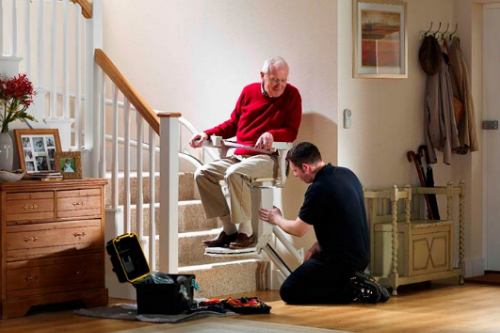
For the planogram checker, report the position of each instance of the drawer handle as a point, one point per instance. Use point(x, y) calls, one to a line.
point(78, 203)
point(30, 239)
point(31, 278)
point(28, 207)
point(79, 234)
point(80, 272)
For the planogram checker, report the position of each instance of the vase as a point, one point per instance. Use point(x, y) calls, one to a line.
point(6, 152)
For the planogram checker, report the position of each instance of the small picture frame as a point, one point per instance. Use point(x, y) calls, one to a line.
point(380, 44)
point(69, 164)
point(36, 149)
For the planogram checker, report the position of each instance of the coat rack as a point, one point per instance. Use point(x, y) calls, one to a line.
point(445, 35)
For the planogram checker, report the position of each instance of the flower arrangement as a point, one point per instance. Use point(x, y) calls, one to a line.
point(16, 95)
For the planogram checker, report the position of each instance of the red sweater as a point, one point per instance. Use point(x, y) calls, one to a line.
point(256, 114)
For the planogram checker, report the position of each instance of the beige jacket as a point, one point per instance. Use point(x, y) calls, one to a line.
point(459, 75)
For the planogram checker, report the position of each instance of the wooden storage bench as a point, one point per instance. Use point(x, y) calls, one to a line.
point(408, 248)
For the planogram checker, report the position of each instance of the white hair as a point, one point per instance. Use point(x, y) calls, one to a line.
point(273, 62)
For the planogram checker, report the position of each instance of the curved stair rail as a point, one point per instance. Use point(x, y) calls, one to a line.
point(168, 129)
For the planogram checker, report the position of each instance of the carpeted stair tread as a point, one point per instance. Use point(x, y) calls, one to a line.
point(229, 278)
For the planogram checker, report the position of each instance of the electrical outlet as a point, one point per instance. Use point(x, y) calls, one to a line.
point(490, 125)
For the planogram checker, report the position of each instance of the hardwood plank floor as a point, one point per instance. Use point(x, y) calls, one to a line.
point(437, 307)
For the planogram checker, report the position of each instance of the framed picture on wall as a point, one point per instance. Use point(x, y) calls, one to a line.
point(36, 149)
point(380, 48)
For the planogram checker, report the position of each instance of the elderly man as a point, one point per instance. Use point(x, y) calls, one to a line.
point(332, 271)
point(265, 112)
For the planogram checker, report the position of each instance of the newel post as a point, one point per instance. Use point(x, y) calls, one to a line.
point(169, 192)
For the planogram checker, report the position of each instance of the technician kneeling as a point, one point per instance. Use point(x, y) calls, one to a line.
point(332, 271)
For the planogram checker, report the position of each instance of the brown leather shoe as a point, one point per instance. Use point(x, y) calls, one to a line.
point(223, 240)
point(242, 241)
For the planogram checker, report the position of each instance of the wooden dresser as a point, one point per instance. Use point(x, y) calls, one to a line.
point(52, 244)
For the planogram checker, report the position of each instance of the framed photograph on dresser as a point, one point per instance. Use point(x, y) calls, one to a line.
point(69, 164)
point(36, 149)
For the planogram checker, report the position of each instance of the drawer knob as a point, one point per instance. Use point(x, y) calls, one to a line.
point(80, 272)
point(31, 278)
point(78, 203)
point(30, 207)
point(30, 239)
point(79, 234)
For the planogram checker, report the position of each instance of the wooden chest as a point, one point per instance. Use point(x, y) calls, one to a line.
point(52, 244)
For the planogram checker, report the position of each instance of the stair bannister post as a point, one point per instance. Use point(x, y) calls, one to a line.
point(169, 192)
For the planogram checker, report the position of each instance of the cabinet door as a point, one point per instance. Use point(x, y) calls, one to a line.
point(430, 253)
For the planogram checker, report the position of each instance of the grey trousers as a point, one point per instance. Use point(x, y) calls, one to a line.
point(237, 171)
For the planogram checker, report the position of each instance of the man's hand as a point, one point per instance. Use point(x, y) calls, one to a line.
point(313, 252)
point(200, 137)
point(269, 215)
point(265, 141)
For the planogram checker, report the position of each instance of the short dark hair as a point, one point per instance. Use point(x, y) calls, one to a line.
point(304, 152)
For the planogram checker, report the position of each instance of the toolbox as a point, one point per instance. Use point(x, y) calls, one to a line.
point(157, 293)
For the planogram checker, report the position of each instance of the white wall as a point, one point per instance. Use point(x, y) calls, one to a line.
point(195, 56)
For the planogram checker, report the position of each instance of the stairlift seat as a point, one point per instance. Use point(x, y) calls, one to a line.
point(264, 187)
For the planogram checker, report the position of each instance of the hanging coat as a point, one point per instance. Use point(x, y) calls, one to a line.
point(459, 75)
point(439, 119)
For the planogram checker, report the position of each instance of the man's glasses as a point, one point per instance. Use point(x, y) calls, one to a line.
point(276, 81)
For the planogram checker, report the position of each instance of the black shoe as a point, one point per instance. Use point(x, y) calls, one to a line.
point(223, 240)
point(367, 290)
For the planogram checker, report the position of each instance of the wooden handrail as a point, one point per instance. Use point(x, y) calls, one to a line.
point(86, 7)
point(128, 90)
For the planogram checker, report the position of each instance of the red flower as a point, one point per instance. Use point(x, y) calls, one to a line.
point(16, 95)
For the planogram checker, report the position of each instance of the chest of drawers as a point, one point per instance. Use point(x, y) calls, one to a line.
point(52, 244)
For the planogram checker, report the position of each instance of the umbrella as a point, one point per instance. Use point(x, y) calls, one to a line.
point(424, 152)
point(412, 157)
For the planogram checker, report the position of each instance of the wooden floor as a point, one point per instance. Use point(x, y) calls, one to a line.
point(436, 307)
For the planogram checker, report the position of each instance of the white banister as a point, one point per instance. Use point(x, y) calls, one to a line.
point(66, 72)
point(14, 28)
point(126, 120)
point(101, 126)
point(78, 77)
point(169, 188)
point(53, 57)
point(140, 197)
point(40, 46)
point(27, 37)
point(152, 195)
point(114, 163)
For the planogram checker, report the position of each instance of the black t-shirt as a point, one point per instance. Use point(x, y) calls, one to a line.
point(334, 205)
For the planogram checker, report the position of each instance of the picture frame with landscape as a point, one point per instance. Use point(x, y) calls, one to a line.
point(36, 149)
point(69, 164)
point(380, 47)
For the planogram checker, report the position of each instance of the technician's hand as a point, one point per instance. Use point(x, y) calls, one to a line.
point(200, 137)
point(313, 252)
point(269, 215)
point(265, 141)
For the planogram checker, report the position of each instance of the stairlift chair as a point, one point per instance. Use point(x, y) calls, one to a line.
point(262, 197)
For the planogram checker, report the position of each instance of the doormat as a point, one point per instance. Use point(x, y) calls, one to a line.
point(488, 278)
point(221, 325)
point(129, 312)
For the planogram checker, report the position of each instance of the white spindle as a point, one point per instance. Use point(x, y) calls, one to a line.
point(140, 197)
point(66, 113)
point(41, 46)
point(27, 37)
point(14, 28)
point(53, 58)
point(78, 76)
point(102, 127)
point(126, 123)
point(114, 165)
point(152, 194)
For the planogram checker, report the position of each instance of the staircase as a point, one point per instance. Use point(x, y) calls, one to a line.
point(216, 276)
